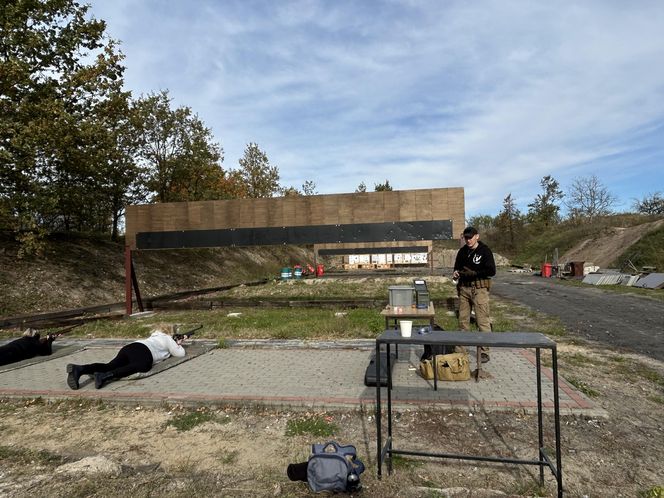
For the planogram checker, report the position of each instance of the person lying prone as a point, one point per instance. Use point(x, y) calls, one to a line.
point(135, 357)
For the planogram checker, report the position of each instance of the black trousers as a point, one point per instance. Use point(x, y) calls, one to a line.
point(132, 358)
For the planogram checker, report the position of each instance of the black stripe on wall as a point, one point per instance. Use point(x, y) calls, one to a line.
point(314, 234)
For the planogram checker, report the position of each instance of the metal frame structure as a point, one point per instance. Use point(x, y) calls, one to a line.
point(528, 340)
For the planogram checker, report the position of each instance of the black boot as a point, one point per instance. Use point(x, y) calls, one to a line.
point(101, 378)
point(73, 374)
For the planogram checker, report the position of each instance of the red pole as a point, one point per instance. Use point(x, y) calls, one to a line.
point(128, 296)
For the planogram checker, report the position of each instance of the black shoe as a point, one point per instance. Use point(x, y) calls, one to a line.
point(73, 374)
point(101, 378)
point(485, 357)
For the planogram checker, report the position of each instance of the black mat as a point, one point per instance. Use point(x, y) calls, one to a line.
point(192, 350)
point(58, 352)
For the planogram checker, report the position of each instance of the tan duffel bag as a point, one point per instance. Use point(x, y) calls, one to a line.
point(453, 366)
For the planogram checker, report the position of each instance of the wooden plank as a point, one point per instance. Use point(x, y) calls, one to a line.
point(302, 211)
point(391, 206)
point(260, 210)
point(289, 211)
point(331, 207)
point(423, 207)
point(317, 208)
point(275, 214)
point(407, 205)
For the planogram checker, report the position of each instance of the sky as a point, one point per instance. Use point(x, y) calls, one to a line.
point(486, 95)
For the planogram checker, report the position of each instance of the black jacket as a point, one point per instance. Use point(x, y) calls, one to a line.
point(24, 348)
point(479, 260)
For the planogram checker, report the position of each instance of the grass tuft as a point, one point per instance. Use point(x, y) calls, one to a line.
point(315, 425)
point(583, 387)
point(654, 492)
point(189, 420)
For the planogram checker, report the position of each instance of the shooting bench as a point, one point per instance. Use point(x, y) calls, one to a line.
point(527, 340)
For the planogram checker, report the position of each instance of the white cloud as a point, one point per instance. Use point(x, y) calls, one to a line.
point(486, 95)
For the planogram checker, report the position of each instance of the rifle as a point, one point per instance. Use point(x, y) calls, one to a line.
point(52, 335)
point(177, 337)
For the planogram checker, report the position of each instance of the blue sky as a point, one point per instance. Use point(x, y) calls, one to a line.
point(486, 95)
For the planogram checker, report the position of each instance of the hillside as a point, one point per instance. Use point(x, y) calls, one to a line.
point(77, 271)
point(608, 242)
point(606, 249)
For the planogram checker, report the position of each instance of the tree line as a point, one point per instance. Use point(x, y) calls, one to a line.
point(586, 200)
point(76, 148)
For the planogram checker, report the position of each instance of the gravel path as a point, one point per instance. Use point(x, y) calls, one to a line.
point(625, 321)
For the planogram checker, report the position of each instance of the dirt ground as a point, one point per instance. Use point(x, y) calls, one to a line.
point(603, 250)
point(244, 451)
point(77, 449)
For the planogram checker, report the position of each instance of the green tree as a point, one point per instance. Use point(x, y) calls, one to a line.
point(383, 187)
point(47, 63)
point(260, 179)
point(587, 198)
point(544, 210)
point(361, 188)
point(308, 188)
point(180, 161)
point(509, 225)
point(118, 177)
point(483, 222)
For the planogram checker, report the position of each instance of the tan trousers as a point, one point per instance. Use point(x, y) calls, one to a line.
point(477, 299)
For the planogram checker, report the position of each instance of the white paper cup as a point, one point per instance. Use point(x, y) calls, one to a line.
point(406, 327)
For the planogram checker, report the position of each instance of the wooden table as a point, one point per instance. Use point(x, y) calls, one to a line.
point(528, 340)
point(397, 313)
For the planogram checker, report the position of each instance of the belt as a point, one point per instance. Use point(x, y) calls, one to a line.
point(479, 283)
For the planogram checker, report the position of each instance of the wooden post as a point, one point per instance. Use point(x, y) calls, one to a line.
point(128, 281)
point(131, 282)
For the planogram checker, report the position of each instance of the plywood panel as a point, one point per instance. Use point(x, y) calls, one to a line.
point(423, 204)
point(391, 206)
point(373, 210)
point(206, 215)
point(331, 206)
point(407, 205)
point(289, 212)
point(195, 215)
point(440, 204)
point(261, 208)
point(275, 214)
point(345, 206)
point(302, 212)
point(317, 209)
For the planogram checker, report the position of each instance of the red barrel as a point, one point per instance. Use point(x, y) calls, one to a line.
point(319, 270)
point(546, 269)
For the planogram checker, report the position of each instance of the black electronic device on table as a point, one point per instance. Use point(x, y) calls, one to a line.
point(421, 294)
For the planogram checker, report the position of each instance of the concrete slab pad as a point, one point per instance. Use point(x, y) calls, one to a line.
point(325, 377)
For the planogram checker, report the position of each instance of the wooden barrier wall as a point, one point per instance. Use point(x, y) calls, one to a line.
point(317, 210)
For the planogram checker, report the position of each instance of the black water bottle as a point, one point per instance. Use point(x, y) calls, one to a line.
point(353, 482)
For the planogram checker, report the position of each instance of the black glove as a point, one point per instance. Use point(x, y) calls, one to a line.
point(468, 273)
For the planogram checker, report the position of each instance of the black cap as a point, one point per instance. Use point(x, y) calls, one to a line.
point(470, 231)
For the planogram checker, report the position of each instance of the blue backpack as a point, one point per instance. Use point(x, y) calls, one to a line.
point(334, 468)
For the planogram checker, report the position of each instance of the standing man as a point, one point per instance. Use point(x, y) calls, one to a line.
point(474, 266)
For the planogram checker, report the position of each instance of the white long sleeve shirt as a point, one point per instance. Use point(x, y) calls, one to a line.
point(162, 346)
